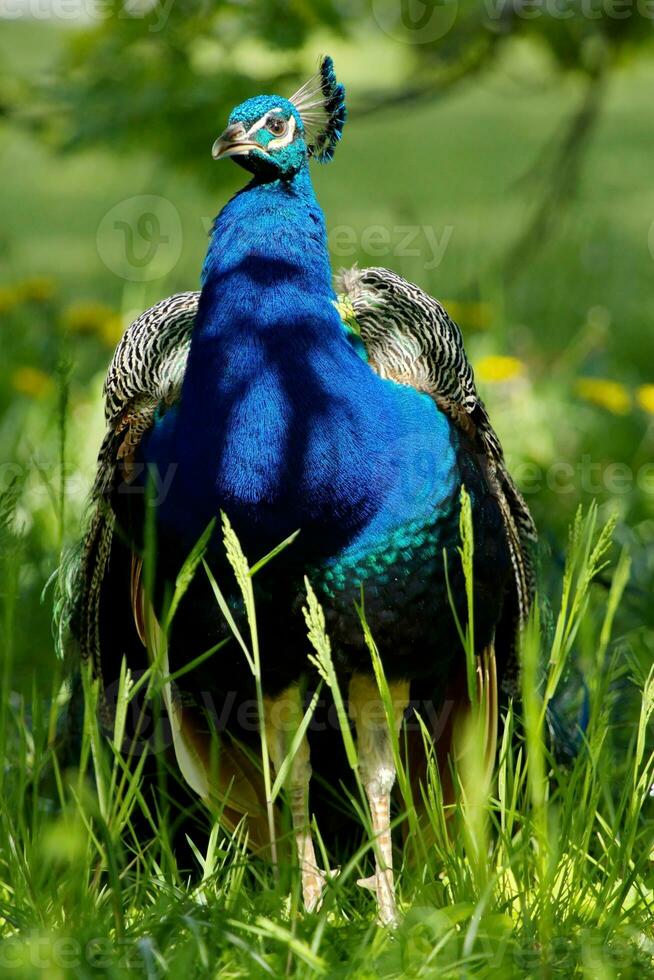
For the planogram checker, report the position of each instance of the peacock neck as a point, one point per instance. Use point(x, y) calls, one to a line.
point(280, 423)
point(268, 375)
point(267, 294)
point(266, 315)
point(269, 234)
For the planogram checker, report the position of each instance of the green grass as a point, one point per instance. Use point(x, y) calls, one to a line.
point(541, 869)
point(548, 870)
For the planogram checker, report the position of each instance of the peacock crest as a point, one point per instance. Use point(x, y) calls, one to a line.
point(320, 103)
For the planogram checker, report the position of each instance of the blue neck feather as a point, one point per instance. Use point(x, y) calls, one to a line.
point(280, 422)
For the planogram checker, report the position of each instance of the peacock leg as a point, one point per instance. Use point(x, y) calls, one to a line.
point(283, 715)
point(377, 771)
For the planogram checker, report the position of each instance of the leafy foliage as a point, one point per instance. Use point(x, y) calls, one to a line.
point(163, 75)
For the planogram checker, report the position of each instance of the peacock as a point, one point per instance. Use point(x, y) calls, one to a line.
point(343, 410)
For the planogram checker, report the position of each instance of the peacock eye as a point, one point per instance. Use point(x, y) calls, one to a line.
point(276, 125)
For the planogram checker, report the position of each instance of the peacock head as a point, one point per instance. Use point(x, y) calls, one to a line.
point(273, 137)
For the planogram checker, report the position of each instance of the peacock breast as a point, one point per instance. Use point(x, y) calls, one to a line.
point(403, 573)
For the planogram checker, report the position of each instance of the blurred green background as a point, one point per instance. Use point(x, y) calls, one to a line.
point(500, 155)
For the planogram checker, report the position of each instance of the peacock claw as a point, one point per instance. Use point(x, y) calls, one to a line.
point(381, 884)
point(313, 884)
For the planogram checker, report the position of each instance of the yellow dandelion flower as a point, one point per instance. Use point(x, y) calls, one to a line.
point(112, 330)
point(87, 317)
point(499, 368)
point(39, 289)
point(645, 397)
point(10, 297)
point(31, 381)
point(611, 395)
point(474, 316)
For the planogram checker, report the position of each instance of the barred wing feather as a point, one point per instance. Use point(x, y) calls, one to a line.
point(410, 338)
point(146, 371)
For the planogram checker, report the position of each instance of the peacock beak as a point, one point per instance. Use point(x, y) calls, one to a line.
point(233, 142)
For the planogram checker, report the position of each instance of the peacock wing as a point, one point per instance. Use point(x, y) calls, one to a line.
point(146, 372)
point(410, 338)
point(102, 600)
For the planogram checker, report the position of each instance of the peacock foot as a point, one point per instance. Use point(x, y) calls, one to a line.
point(381, 883)
point(314, 880)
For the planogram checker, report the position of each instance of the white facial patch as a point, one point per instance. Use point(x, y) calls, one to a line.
point(280, 141)
point(287, 138)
